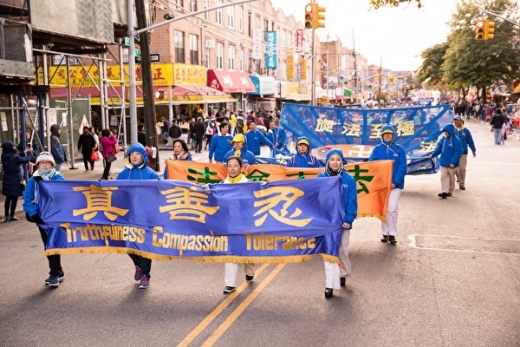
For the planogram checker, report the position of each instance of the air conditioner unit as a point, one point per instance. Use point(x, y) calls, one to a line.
point(210, 43)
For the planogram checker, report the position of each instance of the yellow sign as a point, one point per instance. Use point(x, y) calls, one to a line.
point(290, 63)
point(191, 75)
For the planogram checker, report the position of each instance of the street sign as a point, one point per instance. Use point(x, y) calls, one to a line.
point(155, 58)
point(137, 52)
point(127, 41)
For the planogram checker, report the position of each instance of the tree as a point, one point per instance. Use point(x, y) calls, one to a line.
point(430, 69)
point(381, 3)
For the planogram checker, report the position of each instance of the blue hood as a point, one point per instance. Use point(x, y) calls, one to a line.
point(450, 128)
point(388, 127)
point(329, 154)
point(136, 147)
point(308, 144)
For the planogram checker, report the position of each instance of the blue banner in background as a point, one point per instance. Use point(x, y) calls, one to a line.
point(284, 221)
point(271, 60)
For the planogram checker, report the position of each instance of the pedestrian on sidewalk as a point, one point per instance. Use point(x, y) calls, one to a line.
point(46, 171)
point(86, 145)
point(57, 150)
point(467, 141)
point(13, 182)
point(497, 121)
point(198, 134)
point(136, 168)
point(107, 142)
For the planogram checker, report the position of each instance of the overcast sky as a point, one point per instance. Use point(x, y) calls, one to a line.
point(397, 36)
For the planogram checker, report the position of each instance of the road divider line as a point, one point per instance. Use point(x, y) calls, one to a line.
point(241, 308)
point(218, 310)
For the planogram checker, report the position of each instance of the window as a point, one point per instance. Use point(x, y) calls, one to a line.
point(218, 12)
point(220, 56)
point(192, 5)
point(231, 57)
point(179, 46)
point(231, 17)
point(240, 17)
point(194, 49)
point(241, 61)
point(179, 4)
point(266, 25)
point(250, 24)
point(206, 6)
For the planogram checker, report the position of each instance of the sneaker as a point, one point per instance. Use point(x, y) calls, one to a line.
point(249, 279)
point(392, 240)
point(137, 275)
point(52, 281)
point(144, 283)
point(385, 238)
point(229, 290)
point(13, 218)
point(61, 277)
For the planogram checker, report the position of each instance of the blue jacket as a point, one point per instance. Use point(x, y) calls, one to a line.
point(219, 146)
point(255, 139)
point(247, 157)
point(11, 165)
point(278, 136)
point(140, 171)
point(30, 195)
point(349, 187)
point(304, 160)
point(449, 148)
point(391, 151)
point(466, 140)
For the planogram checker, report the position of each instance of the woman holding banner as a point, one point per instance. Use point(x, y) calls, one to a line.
point(334, 167)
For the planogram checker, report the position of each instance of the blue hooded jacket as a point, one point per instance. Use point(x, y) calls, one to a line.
point(449, 148)
point(304, 160)
point(466, 140)
point(391, 151)
point(254, 139)
point(349, 187)
point(219, 146)
point(140, 171)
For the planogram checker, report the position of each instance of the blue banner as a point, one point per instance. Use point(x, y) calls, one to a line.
point(284, 221)
point(271, 59)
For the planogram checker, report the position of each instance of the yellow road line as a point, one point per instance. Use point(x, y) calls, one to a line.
point(241, 308)
point(218, 310)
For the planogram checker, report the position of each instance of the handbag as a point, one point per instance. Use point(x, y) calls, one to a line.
point(94, 156)
point(111, 157)
point(117, 149)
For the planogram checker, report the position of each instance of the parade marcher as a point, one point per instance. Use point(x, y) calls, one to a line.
point(255, 139)
point(220, 144)
point(12, 186)
point(86, 144)
point(240, 150)
point(389, 150)
point(497, 121)
point(334, 167)
point(278, 137)
point(57, 150)
point(107, 142)
point(180, 152)
point(467, 141)
point(235, 175)
point(136, 168)
point(45, 172)
point(303, 156)
point(450, 149)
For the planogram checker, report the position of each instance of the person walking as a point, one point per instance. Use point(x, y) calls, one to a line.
point(466, 139)
point(450, 149)
point(255, 139)
point(220, 144)
point(57, 150)
point(278, 137)
point(107, 142)
point(198, 133)
point(334, 167)
point(87, 144)
point(12, 186)
point(497, 121)
point(46, 171)
point(389, 150)
point(136, 168)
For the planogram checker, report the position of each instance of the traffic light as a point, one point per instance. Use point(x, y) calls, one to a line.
point(489, 30)
point(310, 12)
point(479, 29)
point(319, 15)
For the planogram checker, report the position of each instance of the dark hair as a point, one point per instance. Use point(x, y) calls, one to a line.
point(105, 133)
point(222, 125)
point(183, 144)
point(140, 127)
point(237, 159)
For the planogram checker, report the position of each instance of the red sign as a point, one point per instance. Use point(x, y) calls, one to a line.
point(299, 41)
point(230, 81)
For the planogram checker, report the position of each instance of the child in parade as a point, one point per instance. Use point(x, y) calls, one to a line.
point(136, 168)
point(389, 150)
point(334, 167)
point(46, 171)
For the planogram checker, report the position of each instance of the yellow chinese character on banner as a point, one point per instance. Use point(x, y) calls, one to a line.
point(187, 204)
point(99, 199)
point(405, 128)
point(428, 146)
point(375, 130)
point(324, 124)
point(351, 129)
point(270, 198)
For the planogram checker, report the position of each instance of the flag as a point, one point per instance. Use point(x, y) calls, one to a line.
point(347, 93)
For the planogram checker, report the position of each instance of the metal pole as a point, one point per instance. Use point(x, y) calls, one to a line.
point(131, 73)
point(69, 118)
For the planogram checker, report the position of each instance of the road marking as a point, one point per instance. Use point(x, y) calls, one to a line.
point(241, 308)
point(218, 310)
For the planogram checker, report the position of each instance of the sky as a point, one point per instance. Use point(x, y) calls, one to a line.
point(393, 37)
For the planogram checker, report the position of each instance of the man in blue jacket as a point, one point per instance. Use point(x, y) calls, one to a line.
point(389, 150)
point(466, 140)
point(450, 149)
point(220, 144)
point(255, 138)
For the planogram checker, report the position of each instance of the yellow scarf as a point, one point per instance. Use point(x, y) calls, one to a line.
point(235, 179)
point(237, 153)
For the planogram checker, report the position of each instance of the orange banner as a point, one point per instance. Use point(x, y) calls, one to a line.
point(373, 179)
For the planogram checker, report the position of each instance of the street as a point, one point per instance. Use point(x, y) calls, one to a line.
point(453, 279)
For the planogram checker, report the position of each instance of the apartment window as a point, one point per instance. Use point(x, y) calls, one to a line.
point(220, 56)
point(218, 12)
point(179, 4)
point(266, 25)
point(206, 6)
point(240, 17)
point(231, 17)
point(241, 61)
point(250, 24)
point(194, 49)
point(192, 5)
point(231, 57)
point(179, 46)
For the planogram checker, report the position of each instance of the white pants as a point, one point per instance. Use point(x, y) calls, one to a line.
point(390, 227)
point(447, 179)
point(332, 269)
point(461, 172)
point(231, 272)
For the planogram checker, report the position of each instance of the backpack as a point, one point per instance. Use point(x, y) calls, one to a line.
point(209, 129)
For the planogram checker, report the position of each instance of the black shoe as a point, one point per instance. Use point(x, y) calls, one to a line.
point(7, 219)
point(249, 279)
point(385, 238)
point(448, 194)
point(392, 240)
point(462, 188)
point(342, 281)
point(328, 293)
point(442, 195)
point(229, 290)
point(60, 277)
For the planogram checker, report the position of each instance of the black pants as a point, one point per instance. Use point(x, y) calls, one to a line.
point(10, 205)
point(198, 144)
point(144, 264)
point(86, 159)
point(54, 260)
point(106, 172)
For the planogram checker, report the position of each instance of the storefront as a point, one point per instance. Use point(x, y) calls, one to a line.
point(264, 95)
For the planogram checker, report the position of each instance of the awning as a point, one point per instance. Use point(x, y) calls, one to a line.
point(195, 90)
point(264, 85)
point(230, 81)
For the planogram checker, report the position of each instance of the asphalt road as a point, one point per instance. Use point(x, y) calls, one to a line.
point(453, 279)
